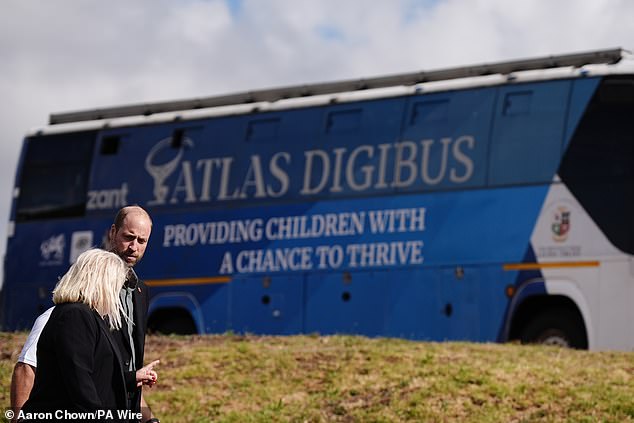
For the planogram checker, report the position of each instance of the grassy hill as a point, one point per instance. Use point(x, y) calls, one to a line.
point(234, 378)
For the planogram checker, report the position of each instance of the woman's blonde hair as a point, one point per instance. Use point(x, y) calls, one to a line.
point(95, 279)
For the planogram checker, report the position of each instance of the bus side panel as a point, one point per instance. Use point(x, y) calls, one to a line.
point(438, 292)
point(40, 254)
point(451, 130)
point(429, 304)
point(268, 305)
point(336, 306)
point(527, 139)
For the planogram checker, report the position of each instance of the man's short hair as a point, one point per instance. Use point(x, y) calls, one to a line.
point(125, 211)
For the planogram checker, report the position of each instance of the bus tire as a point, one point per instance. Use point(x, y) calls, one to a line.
point(560, 327)
point(172, 321)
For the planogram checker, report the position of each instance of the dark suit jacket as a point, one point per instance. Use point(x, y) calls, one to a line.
point(140, 300)
point(78, 364)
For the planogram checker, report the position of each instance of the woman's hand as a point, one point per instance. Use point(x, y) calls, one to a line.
point(147, 375)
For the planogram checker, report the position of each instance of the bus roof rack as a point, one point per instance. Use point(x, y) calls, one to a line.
point(608, 56)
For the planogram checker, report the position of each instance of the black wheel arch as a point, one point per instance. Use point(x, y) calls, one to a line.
point(168, 320)
point(537, 306)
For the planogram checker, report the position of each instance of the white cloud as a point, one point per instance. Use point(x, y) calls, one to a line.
point(76, 54)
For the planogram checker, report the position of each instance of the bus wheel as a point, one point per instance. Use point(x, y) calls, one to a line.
point(559, 327)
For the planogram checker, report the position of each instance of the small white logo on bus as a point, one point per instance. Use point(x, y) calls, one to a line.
point(80, 241)
point(160, 172)
point(52, 250)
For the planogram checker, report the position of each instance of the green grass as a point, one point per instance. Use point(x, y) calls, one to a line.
point(233, 378)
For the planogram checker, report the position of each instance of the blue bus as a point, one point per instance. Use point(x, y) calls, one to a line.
point(485, 203)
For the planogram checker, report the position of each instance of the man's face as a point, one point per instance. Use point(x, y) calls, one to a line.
point(130, 240)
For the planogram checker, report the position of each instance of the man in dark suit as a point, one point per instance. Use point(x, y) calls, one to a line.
point(128, 237)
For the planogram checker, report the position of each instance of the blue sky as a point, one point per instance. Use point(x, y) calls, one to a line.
point(234, 7)
point(81, 54)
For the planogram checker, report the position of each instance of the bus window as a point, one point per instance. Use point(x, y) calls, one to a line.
point(54, 177)
point(110, 145)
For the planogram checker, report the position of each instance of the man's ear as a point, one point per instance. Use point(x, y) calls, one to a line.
point(111, 234)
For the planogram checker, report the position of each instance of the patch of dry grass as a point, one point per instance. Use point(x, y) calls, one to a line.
point(233, 378)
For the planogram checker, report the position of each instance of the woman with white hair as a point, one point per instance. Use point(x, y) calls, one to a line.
point(79, 365)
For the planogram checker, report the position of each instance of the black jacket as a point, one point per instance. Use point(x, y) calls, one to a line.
point(140, 300)
point(79, 364)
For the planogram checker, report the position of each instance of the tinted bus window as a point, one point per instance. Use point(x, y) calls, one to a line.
point(54, 176)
